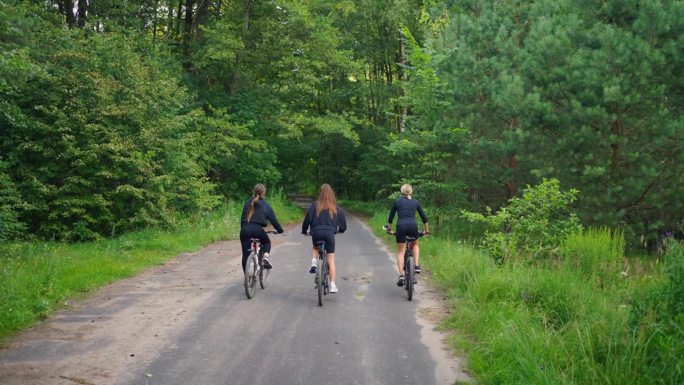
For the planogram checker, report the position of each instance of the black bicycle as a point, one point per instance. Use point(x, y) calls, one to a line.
point(254, 267)
point(409, 262)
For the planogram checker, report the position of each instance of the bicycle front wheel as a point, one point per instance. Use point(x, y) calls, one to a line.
point(250, 276)
point(410, 276)
point(263, 277)
point(320, 277)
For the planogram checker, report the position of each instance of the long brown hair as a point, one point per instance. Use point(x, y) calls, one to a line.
point(259, 191)
point(326, 200)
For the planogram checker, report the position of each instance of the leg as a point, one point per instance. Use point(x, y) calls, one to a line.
point(314, 258)
point(401, 249)
point(331, 266)
point(266, 249)
point(246, 249)
point(416, 253)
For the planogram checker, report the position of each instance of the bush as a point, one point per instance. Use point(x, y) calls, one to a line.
point(532, 226)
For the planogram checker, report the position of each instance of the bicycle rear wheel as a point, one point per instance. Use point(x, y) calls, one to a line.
point(410, 275)
point(326, 279)
point(320, 277)
point(250, 276)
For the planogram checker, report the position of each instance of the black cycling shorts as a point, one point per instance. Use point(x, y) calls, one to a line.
point(406, 229)
point(324, 235)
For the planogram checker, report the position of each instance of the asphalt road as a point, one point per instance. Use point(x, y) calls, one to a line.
point(190, 322)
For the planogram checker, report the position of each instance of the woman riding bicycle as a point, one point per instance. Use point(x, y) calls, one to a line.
point(405, 207)
point(256, 214)
point(325, 218)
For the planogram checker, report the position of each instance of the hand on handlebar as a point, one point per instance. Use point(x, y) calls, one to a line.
point(388, 229)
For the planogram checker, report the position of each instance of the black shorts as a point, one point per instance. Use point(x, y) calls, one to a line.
point(406, 229)
point(324, 235)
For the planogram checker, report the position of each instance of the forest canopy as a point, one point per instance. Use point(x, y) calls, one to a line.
point(117, 115)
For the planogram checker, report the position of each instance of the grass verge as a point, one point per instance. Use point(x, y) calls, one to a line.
point(38, 277)
point(557, 323)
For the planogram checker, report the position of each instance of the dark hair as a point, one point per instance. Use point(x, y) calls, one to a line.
point(259, 191)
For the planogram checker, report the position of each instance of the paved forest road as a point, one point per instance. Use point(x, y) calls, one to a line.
point(188, 322)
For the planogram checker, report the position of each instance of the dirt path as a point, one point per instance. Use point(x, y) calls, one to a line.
point(126, 324)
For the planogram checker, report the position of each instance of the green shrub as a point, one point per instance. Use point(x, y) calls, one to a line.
point(530, 227)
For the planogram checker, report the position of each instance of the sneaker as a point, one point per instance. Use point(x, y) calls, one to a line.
point(417, 269)
point(312, 269)
point(333, 287)
point(267, 263)
point(400, 282)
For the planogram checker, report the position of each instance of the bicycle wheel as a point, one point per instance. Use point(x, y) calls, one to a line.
point(320, 276)
point(326, 279)
point(410, 274)
point(250, 276)
point(263, 277)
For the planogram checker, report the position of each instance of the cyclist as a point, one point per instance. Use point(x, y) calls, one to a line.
point(256, 213)
point(325, 218)
point(405, 207)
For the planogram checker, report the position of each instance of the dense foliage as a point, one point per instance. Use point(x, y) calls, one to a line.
point(119, 115)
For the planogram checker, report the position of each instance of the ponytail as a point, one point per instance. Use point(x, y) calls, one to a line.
point(259, 191)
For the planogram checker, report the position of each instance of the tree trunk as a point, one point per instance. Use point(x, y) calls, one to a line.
point(67, 8)
point(169, 19)
point(402, 79)
point(187, 29)
point(200, 18)
point(511, 186)
point(614, 147)
point(187, 32)
point(82, 12)
point(179, 16)
point(235, 76)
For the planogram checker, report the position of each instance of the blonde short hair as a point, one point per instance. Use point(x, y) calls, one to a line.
point(406, 189)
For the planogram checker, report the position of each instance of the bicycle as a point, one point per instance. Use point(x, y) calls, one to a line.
point(409, 261)
point(254, 267)
point(322, 277)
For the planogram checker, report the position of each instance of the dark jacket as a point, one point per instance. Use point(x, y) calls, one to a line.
point(263, 213)
point(406, 211)
point(324, 221)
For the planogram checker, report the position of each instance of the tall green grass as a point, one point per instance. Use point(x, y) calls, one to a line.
point(38, 277)
point(556, 323)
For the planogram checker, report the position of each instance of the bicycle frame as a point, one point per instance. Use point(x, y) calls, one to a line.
point(322, 276)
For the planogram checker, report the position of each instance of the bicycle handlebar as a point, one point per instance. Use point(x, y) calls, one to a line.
point(310, 234)
point(389, 231)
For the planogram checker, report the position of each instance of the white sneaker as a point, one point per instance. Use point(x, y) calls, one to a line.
point(333, 287)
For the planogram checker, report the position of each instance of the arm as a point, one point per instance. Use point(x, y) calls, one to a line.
point(393, 211)
point(270, 214)
point(424, 218)
point(341, 221)
point(307, 220)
